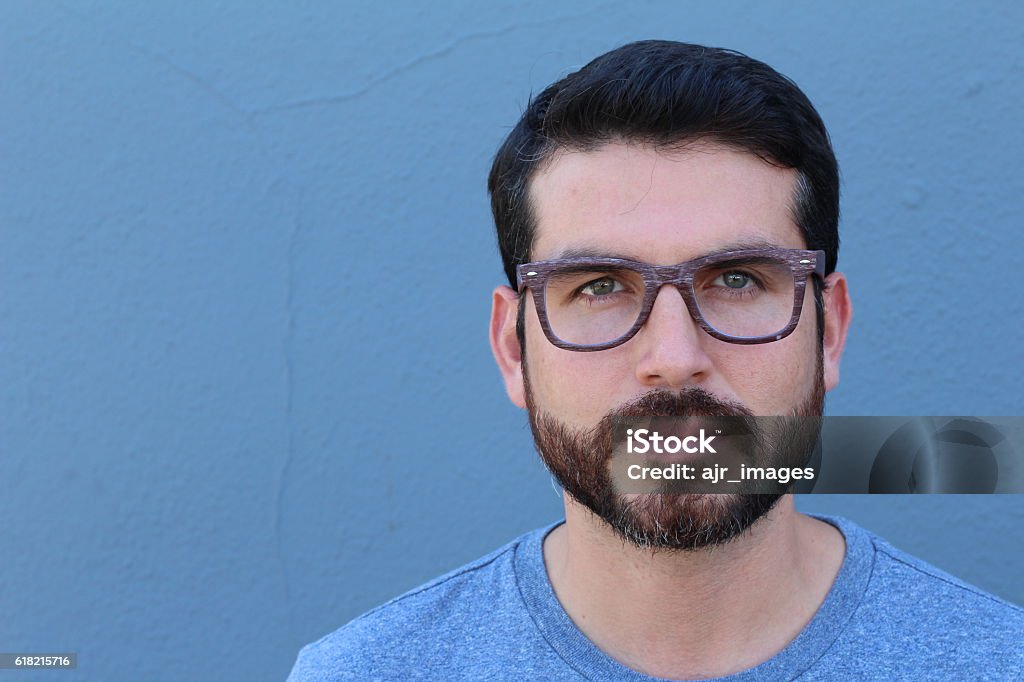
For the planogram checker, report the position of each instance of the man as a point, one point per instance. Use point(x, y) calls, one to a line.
point(667, 154)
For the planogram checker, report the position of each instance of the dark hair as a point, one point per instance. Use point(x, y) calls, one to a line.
point(666, 94)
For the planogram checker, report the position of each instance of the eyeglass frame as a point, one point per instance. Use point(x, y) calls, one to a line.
point(803, 263)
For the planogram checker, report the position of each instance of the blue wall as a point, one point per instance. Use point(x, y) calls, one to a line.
point(236, 414)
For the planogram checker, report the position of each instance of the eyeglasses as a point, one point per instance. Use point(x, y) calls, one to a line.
point(747, 296)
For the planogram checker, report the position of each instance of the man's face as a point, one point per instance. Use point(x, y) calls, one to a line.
point(635, 202)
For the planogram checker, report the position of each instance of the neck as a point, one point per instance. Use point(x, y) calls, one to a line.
point(694, 614)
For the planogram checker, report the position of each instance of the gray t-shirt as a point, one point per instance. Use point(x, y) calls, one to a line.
point(888, 616)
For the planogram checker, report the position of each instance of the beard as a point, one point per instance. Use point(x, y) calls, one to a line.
point(578, 458)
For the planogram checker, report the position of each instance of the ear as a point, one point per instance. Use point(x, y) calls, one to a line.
point(838, 313)
point(505, 345)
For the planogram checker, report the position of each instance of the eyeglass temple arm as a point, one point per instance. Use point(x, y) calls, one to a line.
point(819, 266)
point(519, 280)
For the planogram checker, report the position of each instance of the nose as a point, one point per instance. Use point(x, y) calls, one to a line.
point(671, 344)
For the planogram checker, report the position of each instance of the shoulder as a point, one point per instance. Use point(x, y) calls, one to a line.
point(916, 610)
point(402, 635)
point(915, 581)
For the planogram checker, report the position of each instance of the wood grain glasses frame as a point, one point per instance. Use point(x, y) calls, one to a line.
point(802, 263)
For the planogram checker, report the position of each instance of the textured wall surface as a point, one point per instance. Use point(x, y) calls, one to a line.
point(221, 439)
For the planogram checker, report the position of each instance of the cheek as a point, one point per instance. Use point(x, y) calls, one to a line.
point(772, 378)
point(574, 386)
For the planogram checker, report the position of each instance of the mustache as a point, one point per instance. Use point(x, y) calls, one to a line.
point(691, 402)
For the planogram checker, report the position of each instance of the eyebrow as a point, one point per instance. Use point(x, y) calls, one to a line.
point(591, 252)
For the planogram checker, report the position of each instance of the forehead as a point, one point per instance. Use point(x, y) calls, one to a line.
point(635, 201)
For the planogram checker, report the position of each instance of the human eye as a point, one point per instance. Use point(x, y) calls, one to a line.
point(737, 281)
point(601, 287)
point(592, 286)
